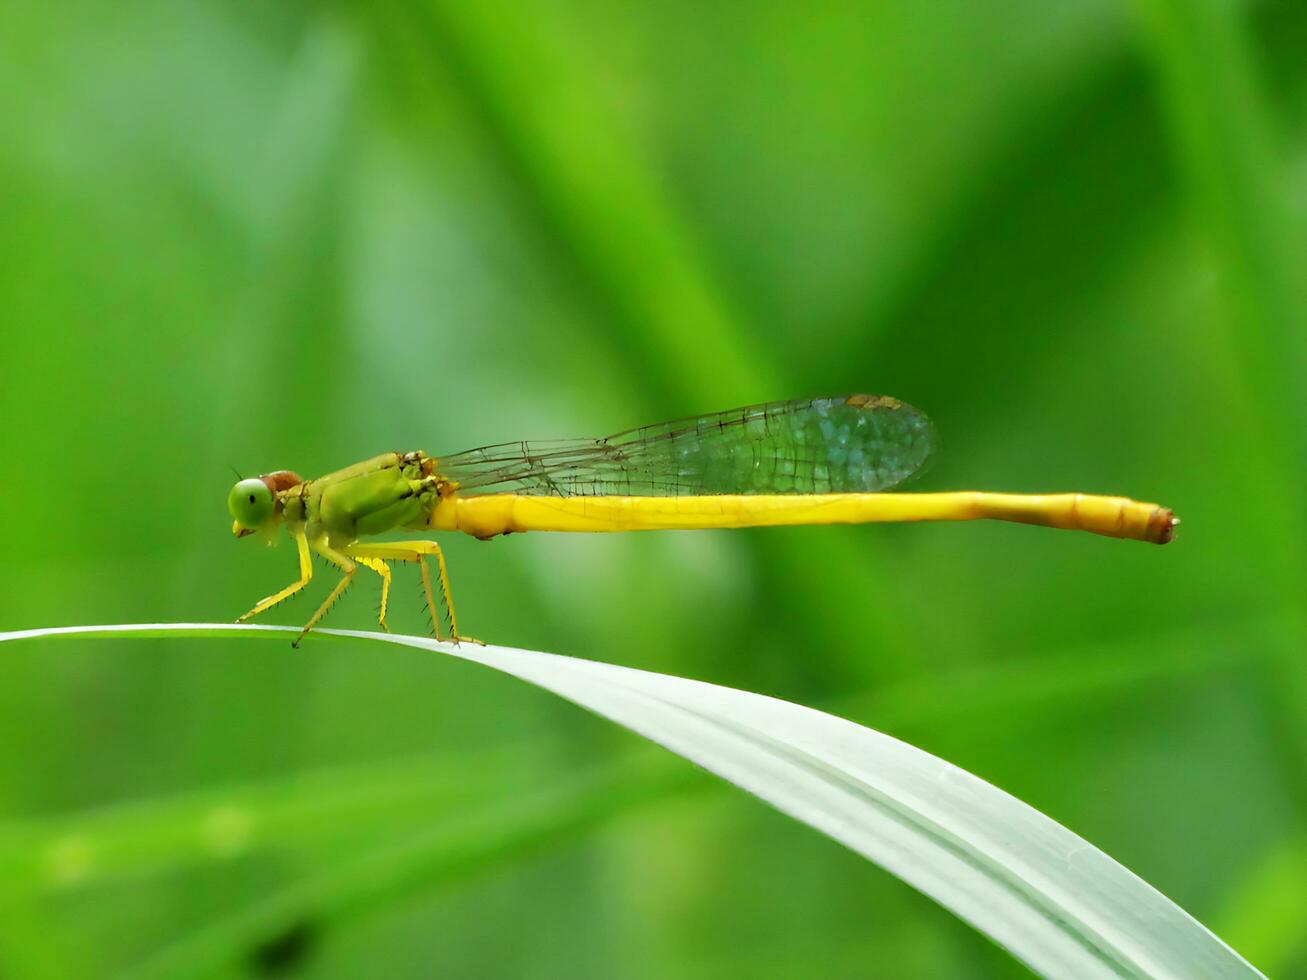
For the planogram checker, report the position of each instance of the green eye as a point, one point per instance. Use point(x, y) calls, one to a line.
point(250, 502)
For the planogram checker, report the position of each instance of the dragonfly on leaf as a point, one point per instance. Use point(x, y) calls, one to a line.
point(806, 462)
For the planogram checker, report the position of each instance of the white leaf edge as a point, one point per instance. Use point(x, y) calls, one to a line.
point(1052, 899)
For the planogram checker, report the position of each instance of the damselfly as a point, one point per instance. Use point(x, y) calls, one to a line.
point(815, 461)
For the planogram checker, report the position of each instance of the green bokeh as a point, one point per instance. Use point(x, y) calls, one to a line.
point(262, 236)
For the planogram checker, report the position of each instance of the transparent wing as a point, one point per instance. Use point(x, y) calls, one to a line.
point(844, 444)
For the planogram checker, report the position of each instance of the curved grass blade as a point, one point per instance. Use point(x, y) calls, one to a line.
point(449, 849)
point(1052, 899)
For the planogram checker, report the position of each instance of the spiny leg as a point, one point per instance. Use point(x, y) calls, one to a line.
point(346, 565)
point(306, 573)
point(382, 569)
point(401, 551)
point(431, 603)
point(415, 551)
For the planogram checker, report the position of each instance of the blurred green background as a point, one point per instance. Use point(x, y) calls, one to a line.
point(294, 235)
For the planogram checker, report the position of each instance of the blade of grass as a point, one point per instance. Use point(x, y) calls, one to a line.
point(1212, 99)
point(1049, 897)
point(444, 852)
point(129, 839)
point(56, 853)
point(595, 191)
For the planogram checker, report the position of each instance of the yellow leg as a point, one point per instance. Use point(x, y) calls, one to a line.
point(431, 603)
point(416, 551)
point(382, 569)
point(306, 573)
point(346, 565)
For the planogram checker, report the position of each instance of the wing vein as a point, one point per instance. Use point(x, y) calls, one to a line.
point(843, 444)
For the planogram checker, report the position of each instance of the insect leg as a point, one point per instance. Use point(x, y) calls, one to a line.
point(382, 569)
point(346, 565)
point(416, 551)
point(306, 573)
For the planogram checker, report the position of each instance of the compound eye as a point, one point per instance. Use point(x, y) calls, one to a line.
point(250, 503)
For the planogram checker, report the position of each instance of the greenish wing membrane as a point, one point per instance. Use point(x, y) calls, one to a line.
point(844, 444)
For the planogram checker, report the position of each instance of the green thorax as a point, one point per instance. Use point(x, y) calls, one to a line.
point(384, 493)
